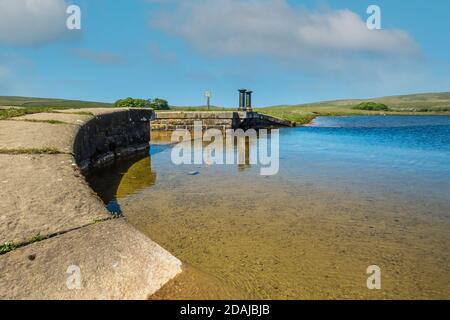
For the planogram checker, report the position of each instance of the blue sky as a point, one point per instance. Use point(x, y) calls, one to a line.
point(287, 52)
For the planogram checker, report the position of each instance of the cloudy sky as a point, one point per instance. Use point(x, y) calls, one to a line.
point(288, 52)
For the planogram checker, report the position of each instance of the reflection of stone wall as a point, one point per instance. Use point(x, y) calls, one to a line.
point(109, 137)
point(222, 120)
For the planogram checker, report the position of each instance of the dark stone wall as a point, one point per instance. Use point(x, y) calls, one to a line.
point(111, 136)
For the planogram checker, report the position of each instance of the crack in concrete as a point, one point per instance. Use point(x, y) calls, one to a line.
point(40, 238)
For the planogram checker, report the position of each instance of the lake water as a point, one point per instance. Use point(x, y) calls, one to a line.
point(351, 192)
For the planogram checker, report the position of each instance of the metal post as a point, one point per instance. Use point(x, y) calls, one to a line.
point(208, 99)
point(249, 107)
point(242, 98)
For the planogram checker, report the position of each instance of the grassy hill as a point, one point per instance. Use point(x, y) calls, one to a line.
point(426, 103)
point(11, 107)
point(414, 103)
point(27, 102)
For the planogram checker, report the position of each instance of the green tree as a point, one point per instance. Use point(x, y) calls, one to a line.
point(132, 103)
point(157, 104)
point(160, 104)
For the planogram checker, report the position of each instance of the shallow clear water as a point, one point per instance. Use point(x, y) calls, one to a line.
point(351, 192)
point(400, 154)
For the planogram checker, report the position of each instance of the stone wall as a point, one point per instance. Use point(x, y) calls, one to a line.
point(170, 121)
point(222, 120)
point(108, 137)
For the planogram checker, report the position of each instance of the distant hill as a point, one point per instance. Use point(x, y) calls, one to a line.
point(424, 102)
point(29, 102)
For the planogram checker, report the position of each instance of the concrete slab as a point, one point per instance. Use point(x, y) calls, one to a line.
point(44, 194)
point(77, 119)
point(21, 134)
point(115, 261)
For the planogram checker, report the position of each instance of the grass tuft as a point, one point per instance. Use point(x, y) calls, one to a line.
point(7, 247)
point(13, 113)
point(41, 121)
point(37, 238)
point(30, 151)
point(11, 246)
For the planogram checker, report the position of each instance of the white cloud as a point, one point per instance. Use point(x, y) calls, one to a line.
point(275, 28)
point(30, 22)
point(333, 49)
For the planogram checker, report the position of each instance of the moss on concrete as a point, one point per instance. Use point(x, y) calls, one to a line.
point(30, 151)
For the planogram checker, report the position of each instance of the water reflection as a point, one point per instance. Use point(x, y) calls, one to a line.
point(216, 149)
point(122, 179)
point(130, 176)
point(246, 153)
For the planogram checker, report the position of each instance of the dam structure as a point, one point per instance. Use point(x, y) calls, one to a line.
point(57, 239)
point(243, 118)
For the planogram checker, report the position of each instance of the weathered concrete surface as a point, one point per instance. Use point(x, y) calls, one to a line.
point(78, 119)
point(43, 194)
point(96, 111)
point(115, 262)
point(27, 135)
point(47, 195)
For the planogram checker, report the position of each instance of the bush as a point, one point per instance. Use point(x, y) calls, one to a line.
point(371, 106)
point(132, 103)
point(157, 104)
point(160, 104)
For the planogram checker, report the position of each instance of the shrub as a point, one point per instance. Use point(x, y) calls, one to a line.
point(160, 104)
point(132, 103)
point(371, 106)
point(157, 104)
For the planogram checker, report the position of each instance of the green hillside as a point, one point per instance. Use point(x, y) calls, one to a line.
point(426, 103)
point(414, 103)
point(27, 102)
